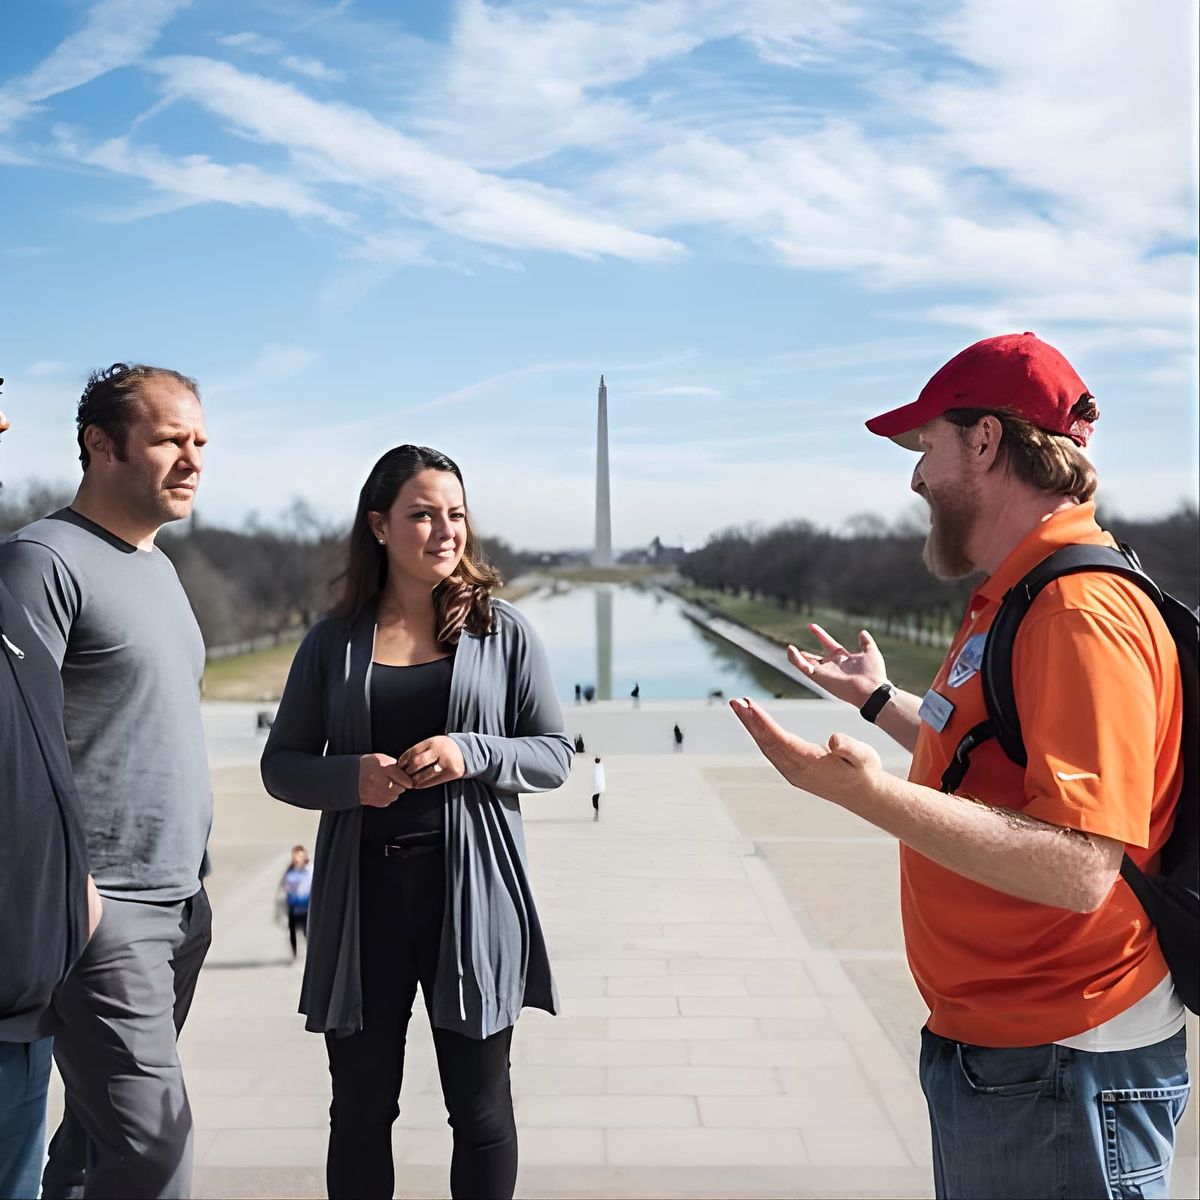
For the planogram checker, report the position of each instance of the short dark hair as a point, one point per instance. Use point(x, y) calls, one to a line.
point(110, 395)
point(1050, 462)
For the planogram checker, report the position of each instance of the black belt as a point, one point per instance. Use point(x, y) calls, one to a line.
point(406, 845)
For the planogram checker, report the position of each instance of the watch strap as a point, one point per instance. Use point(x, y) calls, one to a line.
point(876, 701)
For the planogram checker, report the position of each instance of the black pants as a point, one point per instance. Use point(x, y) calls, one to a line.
point(402, 898)
point(297, 919)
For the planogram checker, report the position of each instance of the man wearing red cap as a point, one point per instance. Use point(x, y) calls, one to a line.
point(1053, 1061)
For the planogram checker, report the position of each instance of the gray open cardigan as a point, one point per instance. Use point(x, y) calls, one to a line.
point(506, 719)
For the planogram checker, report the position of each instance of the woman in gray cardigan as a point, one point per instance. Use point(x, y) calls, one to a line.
point(413, 717)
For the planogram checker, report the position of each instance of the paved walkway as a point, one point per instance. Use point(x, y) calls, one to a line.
point(736, 1016)
point(753, 643)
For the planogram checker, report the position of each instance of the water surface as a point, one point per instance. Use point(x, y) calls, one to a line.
point(612, 636)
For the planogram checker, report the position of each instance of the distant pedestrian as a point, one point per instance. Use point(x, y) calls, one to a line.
point(297, 887)
point(636, 694)
point(578, 693)
point(589, 693)
point(580, 748)
point(678, 735)
point(597, 787)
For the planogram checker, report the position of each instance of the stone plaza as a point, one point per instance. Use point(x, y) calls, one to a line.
point(737, 1017)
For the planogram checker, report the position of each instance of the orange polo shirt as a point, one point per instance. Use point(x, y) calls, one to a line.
point(1096, 676)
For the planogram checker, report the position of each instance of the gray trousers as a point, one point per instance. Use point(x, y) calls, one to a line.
point(127, 1130)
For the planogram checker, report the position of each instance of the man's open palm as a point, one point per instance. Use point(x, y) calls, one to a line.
point(833, 772)
point(849, 677)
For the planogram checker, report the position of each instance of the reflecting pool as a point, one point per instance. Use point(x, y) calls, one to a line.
point(613, 636)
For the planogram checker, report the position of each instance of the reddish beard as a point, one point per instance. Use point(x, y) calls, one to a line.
point(952, 516)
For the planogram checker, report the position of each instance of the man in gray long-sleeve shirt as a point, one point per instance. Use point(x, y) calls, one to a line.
point(110, 609)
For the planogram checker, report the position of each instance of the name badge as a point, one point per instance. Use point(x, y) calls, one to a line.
point(935, 710)
point(968, 662)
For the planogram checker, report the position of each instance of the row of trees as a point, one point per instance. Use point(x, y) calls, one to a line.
point(271, 577)
point(873, 570)
point(257, 583)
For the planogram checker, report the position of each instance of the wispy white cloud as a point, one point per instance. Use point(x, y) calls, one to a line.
point(196, 179)
point(44, 368)
point(29, 251)
point(274, 365)
point(116, 34)
point(982, 180)
point(904, 217)
point(698, 391)
point(1179, 372)
point(251, 43)
point(313, 68)
point(10, 157)
point(1093, 103)
point(375, 258)
point(350, 145)
point(276, 361)
point(324, 14)
point(1001, 182)
point(491, 383)
point(524, 81)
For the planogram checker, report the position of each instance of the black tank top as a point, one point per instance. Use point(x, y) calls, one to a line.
point(408, 705)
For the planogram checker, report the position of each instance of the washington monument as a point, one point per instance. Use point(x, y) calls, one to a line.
point(602, 555)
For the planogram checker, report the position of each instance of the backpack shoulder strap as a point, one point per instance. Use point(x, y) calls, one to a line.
point(996, 672)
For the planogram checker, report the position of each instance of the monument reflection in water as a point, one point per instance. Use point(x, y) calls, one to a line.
point(604, 642)
point(611, 636)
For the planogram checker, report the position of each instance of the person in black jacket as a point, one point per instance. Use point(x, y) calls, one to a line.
point(48, 905)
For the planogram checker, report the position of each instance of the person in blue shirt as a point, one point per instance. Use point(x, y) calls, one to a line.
point(297, 886)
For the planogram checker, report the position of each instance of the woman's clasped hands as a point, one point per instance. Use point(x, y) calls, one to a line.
point(434, 761)
point(380, 780)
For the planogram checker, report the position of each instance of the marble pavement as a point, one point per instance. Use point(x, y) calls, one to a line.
point(737, 1019)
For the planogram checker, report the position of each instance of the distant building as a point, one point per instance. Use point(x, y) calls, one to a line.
point(656, 555)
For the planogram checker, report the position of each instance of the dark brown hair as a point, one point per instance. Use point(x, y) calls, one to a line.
point(464, 601)
point(109, 402)
point(1050, 462)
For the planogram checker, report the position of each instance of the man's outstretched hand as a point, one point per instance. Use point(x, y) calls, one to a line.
point(841, 771)
point(851, 677)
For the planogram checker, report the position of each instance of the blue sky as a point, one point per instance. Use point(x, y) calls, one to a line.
point(363, 223)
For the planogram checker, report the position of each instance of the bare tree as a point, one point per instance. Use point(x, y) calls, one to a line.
point(36, 499)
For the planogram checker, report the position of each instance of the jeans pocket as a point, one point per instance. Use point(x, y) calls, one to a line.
point(1139, 1134)
point(1008, 1071)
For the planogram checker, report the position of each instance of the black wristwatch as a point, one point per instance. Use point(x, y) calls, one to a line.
point(876, 700)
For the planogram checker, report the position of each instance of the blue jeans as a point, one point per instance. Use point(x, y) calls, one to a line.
point(24, 1081)
point(1037, 1122)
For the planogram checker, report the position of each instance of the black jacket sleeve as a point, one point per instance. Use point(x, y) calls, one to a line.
point(295, 767)
point(43, 865)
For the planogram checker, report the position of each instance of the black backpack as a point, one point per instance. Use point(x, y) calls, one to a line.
point(1172, 897)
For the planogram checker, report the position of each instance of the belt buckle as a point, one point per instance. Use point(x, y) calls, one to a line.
point(410, 844)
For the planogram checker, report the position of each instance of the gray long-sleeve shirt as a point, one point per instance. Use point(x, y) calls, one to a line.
point(118, 624)
point(505, 718)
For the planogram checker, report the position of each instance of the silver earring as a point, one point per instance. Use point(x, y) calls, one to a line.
point(382, 542)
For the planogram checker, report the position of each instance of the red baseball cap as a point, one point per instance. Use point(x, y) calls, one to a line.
point(1016, 373)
